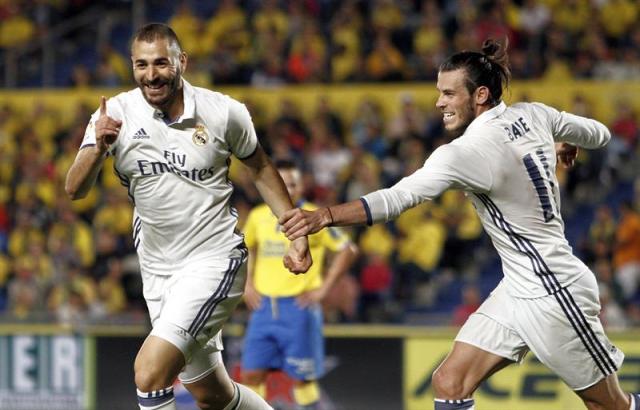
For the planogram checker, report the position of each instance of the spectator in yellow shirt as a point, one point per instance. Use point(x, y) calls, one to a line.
point(285, 329)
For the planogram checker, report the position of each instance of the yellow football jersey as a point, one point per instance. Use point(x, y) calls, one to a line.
point(270, 277)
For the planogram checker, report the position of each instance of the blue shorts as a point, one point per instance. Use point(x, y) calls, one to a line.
point(281, 335)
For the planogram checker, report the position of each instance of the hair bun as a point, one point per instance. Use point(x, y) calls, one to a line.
point(490, 47)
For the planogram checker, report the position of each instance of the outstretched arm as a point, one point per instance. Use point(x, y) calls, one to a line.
point(449, 166)
point(273, 191)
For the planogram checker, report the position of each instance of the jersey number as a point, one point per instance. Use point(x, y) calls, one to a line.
point(540, 187)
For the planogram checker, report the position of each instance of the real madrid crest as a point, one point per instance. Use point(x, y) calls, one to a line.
point(200, 136)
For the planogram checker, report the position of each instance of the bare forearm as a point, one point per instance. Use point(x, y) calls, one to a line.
point(268, 182)
point(350, 213)
point(83, 172)
point(272, 190)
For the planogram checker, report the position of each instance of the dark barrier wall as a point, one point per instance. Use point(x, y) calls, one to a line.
point(368, 367)
point(115, 388)
point(367, 373)
point(362, 373)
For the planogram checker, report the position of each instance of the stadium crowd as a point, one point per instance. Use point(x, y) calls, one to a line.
point(53, 262)
point(271, 42)
point(434, 259)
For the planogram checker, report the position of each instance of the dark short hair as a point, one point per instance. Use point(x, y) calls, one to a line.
point(489, 68)
point(152, 31)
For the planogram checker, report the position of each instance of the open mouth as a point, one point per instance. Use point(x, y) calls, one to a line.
point(155, 88)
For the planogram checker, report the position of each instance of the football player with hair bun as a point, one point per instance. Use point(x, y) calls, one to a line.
point(504, 159)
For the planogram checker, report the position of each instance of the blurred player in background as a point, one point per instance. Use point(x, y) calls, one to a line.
point(504, 158)
point(172, 142)
point(285, 329)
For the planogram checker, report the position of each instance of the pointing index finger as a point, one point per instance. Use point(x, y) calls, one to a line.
point(103, 106)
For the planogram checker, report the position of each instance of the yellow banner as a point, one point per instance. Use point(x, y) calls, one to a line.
point(602, 97)
point(530, 386)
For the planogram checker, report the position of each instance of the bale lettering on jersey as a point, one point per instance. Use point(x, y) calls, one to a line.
point(517, 129)
point(175, 164)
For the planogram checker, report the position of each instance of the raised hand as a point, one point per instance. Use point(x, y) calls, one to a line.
point(566, 154)
point(298, 258)
point(107, 129)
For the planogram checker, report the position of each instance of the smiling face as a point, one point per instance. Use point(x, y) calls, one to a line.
point(456, 104)
point(157, 69)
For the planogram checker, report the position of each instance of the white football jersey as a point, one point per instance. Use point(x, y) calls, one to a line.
point(177, 174)
point(505, 162)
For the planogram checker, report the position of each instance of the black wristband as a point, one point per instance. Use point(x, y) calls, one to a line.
point(330, 215)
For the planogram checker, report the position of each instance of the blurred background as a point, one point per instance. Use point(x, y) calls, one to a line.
point(346, 89)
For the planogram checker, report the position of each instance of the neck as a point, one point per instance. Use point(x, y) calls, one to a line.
point(174, 108)
point(480, 108)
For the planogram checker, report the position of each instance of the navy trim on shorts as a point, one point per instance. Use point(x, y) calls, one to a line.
point(220, 294)
point(608, 366)
point(569, 306)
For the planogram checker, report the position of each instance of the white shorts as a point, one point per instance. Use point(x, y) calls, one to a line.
point(189, 307)
point(562, 330)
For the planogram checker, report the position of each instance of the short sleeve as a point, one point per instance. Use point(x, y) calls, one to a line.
point(114, 111)
point(240, 136)
point(90, 132)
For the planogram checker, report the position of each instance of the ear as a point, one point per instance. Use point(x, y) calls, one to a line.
point(482, 95)
point(183, 61)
